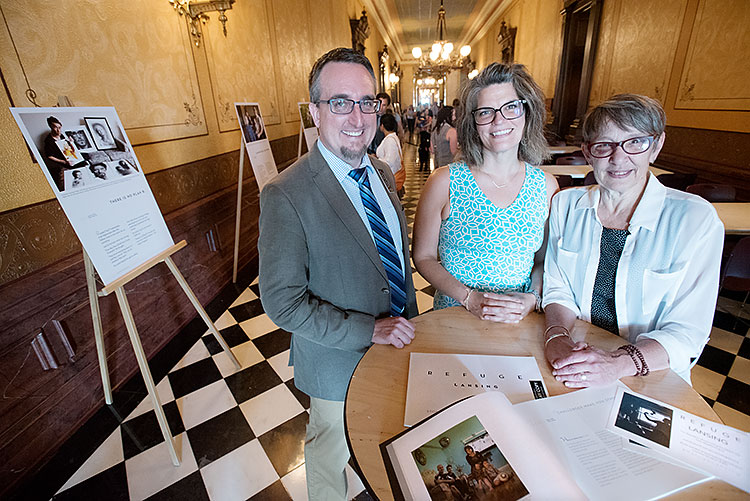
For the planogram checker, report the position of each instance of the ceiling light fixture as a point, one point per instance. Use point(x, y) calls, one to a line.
point(441, 59)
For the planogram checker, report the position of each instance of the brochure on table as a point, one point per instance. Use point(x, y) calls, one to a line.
point(551, 448)
point(309, 130)
point(99, 183)
point(709, 446)
point(256, 142)
point(439, 379)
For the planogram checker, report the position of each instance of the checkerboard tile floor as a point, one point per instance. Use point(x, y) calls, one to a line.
point(241, 433)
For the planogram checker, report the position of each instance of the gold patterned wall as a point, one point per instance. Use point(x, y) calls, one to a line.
point(175, 99)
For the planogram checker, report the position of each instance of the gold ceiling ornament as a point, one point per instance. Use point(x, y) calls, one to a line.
point(442, 59)
point(195, 13)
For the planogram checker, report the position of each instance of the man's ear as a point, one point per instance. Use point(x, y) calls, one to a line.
point(315, 112)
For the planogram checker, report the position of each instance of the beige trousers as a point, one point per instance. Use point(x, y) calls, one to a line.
point(326, 453)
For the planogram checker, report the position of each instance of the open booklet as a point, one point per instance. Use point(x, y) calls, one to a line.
point(439, 379)
point(554, 448)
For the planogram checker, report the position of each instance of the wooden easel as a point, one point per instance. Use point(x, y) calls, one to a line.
point(118, 287)
point(238, 217)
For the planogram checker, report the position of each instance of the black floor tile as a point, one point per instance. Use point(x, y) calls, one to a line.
point(302, 397)
point(221, 302)
point(234, 335)
point(219, 435)
point(429, 290)
point(111, 484)
point(190, 487)
point(255, 289)
point(252, 381)
point(143, 432)
point(273, 343)
point(193, 377)
point(364, 496)
point(728, 322)
point(716, 360)
point(274, 492)
point(212, 345)
point(735, 394)
point(710, 401)
point(285, 444)
point(244, 311)
point(744, 348)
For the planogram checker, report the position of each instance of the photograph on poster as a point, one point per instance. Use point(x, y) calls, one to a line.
point(304, 113)
point(465, 463)
point(645, 418)
point(251, 122)
point(101, 132)
point(105, 195)
point(81, 139)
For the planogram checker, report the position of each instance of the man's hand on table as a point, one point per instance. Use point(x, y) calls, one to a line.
point(397, 331)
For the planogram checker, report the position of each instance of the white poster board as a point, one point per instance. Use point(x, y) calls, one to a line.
point(309, 130)
point(256, 142)
point(88, 160)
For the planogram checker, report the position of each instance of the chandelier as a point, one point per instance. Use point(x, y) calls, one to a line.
point(441, 59)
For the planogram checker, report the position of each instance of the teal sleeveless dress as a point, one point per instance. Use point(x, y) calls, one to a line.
point(487, 248)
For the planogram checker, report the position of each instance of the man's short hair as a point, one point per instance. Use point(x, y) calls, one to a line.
point(384, 95)
point(388, 121)
point(338, 55)
point(52, 120)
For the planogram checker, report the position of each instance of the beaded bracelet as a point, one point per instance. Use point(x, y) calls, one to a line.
point(636, 355)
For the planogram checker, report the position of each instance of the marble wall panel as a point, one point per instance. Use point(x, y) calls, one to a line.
point(133, 55)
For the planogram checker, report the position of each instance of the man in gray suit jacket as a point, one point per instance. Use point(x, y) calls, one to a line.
point(323, 274)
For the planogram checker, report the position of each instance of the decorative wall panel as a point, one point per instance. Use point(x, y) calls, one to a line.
point(241, 63)
point(133, 55)
point(714, 77)
point(645, 40)
point(295, 59)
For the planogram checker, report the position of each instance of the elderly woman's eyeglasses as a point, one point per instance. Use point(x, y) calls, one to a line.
point(632, 146)
point(509, 111)
point(343, 106)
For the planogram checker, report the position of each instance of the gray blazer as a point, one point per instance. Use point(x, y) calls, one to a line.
point(320, 274)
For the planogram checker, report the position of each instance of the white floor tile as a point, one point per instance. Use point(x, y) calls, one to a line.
point(424, 301)
point(280, 364)
point(106, 455)
point(163, 389)
point(196, 353)
point(247, 295)
point(270, 409)
point(152, 470)
point(255, 282)
point(256, 327)
point(201, 405)
point(246, 353)
point(240, 474)
point(225, 320)
point(295, 483)
point(419, 281)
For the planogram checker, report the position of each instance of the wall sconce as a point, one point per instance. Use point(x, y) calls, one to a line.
point(195, 12)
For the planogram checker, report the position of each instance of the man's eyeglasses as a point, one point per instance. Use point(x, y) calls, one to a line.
point(343, 106)
point(509, 111)
point(632, 146)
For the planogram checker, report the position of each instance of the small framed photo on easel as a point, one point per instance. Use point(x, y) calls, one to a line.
point(101, 133)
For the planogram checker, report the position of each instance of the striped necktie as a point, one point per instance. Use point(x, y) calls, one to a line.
point(383, 241)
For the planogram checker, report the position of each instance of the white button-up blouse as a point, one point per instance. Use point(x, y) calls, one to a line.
point(667, 277)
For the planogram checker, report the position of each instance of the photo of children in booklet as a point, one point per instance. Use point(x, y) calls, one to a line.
point(464, 463)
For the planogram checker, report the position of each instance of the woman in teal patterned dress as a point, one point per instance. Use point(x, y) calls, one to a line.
point(481, 222)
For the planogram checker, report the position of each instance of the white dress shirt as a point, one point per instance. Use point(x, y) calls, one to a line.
point(341, 170)
point(667, 277)
point(389, 152)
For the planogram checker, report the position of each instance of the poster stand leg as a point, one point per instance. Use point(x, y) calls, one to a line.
point(201, 311)
point(239, 211)
point(301, 135)
point(135, 340)
point(97, 321)
point(117, 286)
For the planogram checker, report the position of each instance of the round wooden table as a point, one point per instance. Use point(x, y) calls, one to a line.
point(375, 401)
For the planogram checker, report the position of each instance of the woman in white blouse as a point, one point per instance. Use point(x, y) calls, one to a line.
point(629, 255)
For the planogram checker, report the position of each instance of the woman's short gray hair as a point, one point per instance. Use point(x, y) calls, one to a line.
point(626, 111)
point(533, 148)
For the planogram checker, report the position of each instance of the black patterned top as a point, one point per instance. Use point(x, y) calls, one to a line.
point(603, 312)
